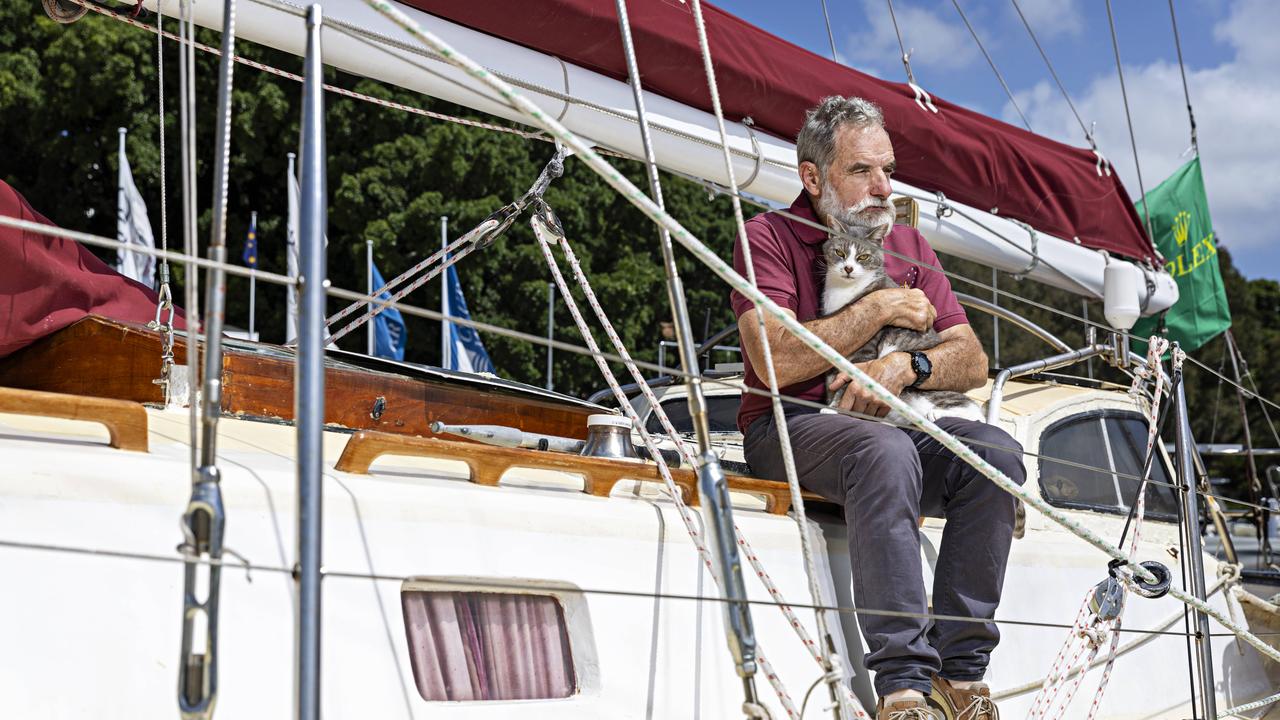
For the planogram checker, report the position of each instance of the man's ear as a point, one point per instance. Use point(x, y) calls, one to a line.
point(811, 178)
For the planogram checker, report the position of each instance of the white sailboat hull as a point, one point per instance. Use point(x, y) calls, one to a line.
point(93, 629)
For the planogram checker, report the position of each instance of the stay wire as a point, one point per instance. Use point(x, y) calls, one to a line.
point(1133, 139)
point(1182, 68)
point(497, 583)
point(1009, 93)
point(1054, 73)
point(835, 57)
point(479, 326)
point(906, 57)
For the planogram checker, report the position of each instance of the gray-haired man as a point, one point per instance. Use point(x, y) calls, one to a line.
point(883, 476)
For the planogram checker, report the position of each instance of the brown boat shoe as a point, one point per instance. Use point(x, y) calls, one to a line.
point(906, 710)
point(970, 703)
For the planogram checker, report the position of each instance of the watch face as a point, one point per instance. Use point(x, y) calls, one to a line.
point(921, 365)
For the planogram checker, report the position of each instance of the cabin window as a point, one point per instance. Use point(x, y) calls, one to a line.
point(488, 646)
point(722, 414)
point(1112, 442)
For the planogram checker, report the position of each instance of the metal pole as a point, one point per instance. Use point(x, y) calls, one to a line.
point(253, 283)
point(445, 360)
point(1187, 481)
point(995, 319)
point(551, 330)
point(1084, 313)
point(368, 283)
point(309, 389)
point(1250, 467)
point(712, 484)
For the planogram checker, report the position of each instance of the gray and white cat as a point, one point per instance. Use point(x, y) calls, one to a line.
point(855, 267)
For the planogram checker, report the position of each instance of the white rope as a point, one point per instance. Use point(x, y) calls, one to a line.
point(1090, 629)
point(375, 308)
point(635, 196)
point(542, 232)
point(828, 658)
point(668, 428)
point(1256, 704)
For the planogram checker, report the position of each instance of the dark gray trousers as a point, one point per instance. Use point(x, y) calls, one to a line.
point(886, 478)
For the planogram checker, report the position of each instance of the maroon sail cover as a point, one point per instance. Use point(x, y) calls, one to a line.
point(47, 283)
point(970, 157)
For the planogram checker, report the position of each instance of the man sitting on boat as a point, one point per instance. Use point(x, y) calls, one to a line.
point(885, 477)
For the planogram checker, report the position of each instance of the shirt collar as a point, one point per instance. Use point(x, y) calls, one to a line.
point(803, 208)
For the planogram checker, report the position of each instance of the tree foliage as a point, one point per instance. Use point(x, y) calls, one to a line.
point(392, 175)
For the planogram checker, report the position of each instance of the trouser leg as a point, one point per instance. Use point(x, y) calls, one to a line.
point(873, 471)
point(971, 563)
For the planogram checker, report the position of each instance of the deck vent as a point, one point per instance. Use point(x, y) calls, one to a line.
point(488, 646)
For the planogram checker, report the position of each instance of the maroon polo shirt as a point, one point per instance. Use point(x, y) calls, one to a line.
point(786, 255)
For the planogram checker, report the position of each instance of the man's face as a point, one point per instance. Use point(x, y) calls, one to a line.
point(855, 189)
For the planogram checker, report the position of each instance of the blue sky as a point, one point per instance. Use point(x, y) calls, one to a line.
point(1232, 54)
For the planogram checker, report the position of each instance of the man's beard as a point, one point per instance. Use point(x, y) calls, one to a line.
point(870, 212)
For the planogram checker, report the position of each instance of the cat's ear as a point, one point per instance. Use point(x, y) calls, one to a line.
point(879, 232)
point(836, 226)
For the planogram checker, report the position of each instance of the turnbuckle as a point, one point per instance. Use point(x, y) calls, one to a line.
point(718, 516)
point(203, 525)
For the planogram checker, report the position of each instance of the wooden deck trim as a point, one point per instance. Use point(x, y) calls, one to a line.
point(487, 464)
point(126, 421)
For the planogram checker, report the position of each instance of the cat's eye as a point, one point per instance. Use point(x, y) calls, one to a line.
point(840, 254)
point(863, 258)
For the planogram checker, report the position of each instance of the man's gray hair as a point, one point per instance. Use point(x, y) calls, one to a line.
point(816, 142)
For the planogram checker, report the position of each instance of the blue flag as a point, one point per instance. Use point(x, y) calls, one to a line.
point(463, 349)
point(388, 326)
point(250, 254)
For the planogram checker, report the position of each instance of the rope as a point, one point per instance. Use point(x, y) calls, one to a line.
point(374, 310)
point(1256, 704)
point(827, 657)
point(1186, 93)
point(1093, 624)
point(1133, 139)
point(164, 295)
point(542, 229)
point(992, 63)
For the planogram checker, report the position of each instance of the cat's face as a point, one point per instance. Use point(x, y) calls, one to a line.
point(855, 252)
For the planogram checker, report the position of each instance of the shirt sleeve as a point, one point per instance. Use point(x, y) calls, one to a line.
point(774, 275)
point(937, 288)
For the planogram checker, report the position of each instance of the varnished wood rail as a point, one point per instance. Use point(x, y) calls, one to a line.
point(487, 465)
point(126, 421)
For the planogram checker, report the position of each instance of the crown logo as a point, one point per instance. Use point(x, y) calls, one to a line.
point(1181, 226)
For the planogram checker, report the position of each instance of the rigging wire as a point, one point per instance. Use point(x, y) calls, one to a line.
point(436, 315)
point(906, 56)
point(1133, 139)
point(1186, 93)
point(1065, 95)
point(992, 63)
point(835, 57)
point(499, 583)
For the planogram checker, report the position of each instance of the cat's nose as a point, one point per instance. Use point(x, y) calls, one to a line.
point(848, 269)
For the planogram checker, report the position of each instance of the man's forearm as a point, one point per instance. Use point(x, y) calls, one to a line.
point(958, 364)
point(793, 360)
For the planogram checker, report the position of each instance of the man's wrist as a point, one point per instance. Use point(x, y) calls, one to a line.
point(902, 368)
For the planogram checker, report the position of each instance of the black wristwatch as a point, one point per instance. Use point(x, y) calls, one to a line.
point(922, 367)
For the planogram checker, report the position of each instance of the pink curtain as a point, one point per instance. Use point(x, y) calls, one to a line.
point(488, 646)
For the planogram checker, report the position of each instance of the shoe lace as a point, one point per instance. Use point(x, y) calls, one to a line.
point(980, 706)
point(915, 713)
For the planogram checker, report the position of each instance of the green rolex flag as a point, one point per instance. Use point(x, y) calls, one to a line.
point(1184, 235)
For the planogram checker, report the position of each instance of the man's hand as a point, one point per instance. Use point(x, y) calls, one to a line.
point(904, 308)
point(893, 371)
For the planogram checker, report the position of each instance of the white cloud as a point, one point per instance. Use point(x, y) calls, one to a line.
point(934, 42)
point(1237, 105)
point(1051, 18)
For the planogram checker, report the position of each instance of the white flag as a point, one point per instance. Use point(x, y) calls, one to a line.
point(133, 227)
point(295, 203)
